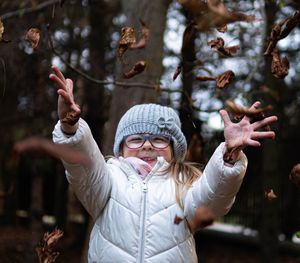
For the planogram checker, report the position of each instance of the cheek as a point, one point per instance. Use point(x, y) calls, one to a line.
point(129, 152)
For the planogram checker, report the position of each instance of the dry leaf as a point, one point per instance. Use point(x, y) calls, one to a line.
point(270, 195)
point(225, 79)
point(281, 30)
point(127, 38)
point(144, 38)
point(280, 66)
point(177, 220)
point(239, 112)
point(33, 35)
point(71, 118)
point(213, 14)
point(45, 248)
point(218, 44)
point(295, 175)
point(222, 29)
point(42, 145)
point(177, 72)
point(137, 69)
point(205, 78)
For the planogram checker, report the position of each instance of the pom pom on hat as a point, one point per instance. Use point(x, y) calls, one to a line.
point(152, 119)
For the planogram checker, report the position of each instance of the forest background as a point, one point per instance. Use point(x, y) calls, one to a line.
point(83, 39)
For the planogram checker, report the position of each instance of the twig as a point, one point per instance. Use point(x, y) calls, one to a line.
point(108, 82)
point(28, 9)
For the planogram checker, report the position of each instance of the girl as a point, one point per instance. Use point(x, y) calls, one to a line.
point(136, 198)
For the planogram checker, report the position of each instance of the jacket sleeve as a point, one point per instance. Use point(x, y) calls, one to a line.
point(92, 182)
point(217, 186)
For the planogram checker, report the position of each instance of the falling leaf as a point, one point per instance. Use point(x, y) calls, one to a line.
point(72, 117)
point(270, 195)
point(141, 43)
point(280, 66)
point(33, 35)
point(218, 44)
point(223, 28)
point(45, 248)
point(177, 220)
point(205, 78)
point(127, 38)
point(213, 14)
point(137, 69)
point(295, 175)
point(225, 79)
point(42, 145)
point(281, 30)
point(177, 72)
point(1, 30)
point(255, 114)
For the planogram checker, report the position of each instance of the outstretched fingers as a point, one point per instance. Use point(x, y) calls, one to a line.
point(266, 121)
point(225, 117)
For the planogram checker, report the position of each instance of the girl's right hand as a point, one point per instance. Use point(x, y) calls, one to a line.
point(68, 110)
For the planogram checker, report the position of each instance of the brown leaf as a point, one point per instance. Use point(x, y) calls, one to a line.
point(33, 35)
point(280, 66)
point(205, 78)
point(71, 118)
point(225, 79)
point(222, 29)
point(218, 44)
point(127, 38)
point(137, 69)
point(213, 14)
point(45, 248)
point(255, 114)
point(295, 175)
point(45, 146)
point(177, 72)
point(281, 30)
point(270, 195)
point(144, 38)
point(177, 220)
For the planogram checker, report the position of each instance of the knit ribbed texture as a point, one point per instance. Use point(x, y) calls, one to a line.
point(152, 119)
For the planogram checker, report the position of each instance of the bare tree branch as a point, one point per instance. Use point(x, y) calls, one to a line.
point(28, 10)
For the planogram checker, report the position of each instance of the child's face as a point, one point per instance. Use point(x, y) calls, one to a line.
point(147, 151)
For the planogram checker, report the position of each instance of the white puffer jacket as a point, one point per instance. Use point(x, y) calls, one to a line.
point(134, 219)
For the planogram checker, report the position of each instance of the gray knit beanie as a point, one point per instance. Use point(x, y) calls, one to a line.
point(152, 119)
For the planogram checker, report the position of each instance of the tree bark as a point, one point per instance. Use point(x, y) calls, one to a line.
point(154, 15)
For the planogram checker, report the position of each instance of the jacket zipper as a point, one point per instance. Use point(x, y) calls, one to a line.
point(143, 222)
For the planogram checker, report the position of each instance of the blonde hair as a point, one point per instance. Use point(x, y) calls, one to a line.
point(184, 175)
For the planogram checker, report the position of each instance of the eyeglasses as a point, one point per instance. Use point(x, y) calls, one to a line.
point(157, 141)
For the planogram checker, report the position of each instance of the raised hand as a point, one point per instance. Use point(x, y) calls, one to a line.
point(244, 133)
point(68, 110)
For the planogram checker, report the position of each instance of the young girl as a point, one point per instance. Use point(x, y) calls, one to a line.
point(135, 197)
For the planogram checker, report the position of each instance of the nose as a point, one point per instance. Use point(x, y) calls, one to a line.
point(147, 145)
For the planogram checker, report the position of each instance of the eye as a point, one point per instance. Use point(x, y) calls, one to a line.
point(160, 139)
point(134, 139)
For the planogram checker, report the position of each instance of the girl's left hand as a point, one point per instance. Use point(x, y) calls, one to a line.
point(244, 133)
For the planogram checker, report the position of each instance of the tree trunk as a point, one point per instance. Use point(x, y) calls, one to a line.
point(123, 97)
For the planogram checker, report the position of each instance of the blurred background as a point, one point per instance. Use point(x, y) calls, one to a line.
point(82, 38)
